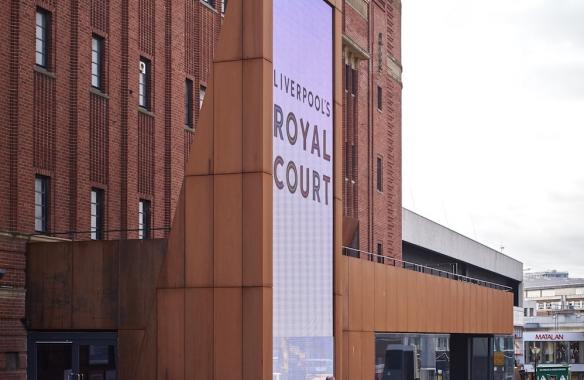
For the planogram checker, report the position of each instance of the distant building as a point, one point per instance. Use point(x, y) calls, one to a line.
point(554, 321)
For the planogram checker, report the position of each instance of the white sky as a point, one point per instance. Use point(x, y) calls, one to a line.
point(493, 123)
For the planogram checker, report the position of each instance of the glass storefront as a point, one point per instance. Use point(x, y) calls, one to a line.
point(412, 356)
point(565, 348)
point(443, 356)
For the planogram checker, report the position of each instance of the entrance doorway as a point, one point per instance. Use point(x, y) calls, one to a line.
point(72, 356)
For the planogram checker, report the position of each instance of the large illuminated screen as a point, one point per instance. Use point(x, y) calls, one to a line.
point(303, 190)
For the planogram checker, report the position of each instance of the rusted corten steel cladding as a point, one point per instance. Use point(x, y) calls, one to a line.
point(199, 305)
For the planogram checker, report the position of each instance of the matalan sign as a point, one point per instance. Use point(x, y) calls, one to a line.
point(553, 337)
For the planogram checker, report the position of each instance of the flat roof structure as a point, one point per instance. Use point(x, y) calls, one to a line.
point(425, 233)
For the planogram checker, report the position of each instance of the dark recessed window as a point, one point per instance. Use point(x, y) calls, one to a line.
point(41, 203)
point(43, 37)
point(97, 62)
point(210, 2)
point(144, 217)
point(202, 91)
point(379, 174)
point(189, 103)
point(144, 82)
point(97, 203)
point(347, 77)
point(379, 98)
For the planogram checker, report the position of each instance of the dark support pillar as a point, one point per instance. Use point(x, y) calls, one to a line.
point(459, 356)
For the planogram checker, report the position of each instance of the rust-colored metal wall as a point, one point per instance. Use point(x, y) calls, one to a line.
point(383, 298)
point(99, 285)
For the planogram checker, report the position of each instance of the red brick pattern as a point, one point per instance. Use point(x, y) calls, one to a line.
point(54, 124)
point(373, 133)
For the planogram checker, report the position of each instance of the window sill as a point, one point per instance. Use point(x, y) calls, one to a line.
point(189, 129)
point(98, 92)
point(44, 71)
point(145, 111)
point(209, 6)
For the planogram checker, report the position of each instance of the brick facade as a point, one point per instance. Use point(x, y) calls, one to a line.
point(372, 54)
point(54, 124)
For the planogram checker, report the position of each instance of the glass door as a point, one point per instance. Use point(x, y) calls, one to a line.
point(72, 356)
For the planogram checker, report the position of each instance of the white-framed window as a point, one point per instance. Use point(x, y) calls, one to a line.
point(97, 54)
point(144, 83)
point(41, 203)
point(43, 38)
point(97, 219)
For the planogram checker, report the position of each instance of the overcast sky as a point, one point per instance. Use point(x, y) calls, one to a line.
point(493, 123)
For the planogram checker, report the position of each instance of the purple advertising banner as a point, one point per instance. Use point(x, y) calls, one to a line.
point(303, 189)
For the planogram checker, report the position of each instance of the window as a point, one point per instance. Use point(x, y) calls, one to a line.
point(41, 203)
point(144, 219)
point(379, 252)
point(347, 77)
point(531, 312)
point(97, 62)
point(202, 91)
point(525, 312)
point(43, 37)
point(379, 174)
point(379, 98)
point(189, 103)
point(210, 2)
point(144, 84)
point(97, 214)
point(223, 6)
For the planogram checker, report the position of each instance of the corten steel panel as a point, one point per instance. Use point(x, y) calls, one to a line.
point(139, 265)
point(227, 238)
point(228, 135)
point(257, 229)
point(368, 308)
point(171, 334)
point(129, 342)
point(257, 101)
point(417, 302)
point(230, 46)
point(198, 231)
point(199, 333)
point(95, 285)
point(355, 355)
point(338, 326)
point(49, 286)
point(355, 295)
point(172, 274)
point(227, 320)
point(368, 355)
point(380, 298)
point(257, 333)
point(257, 40)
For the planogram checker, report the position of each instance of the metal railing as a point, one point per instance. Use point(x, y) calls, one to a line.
point(386, 260)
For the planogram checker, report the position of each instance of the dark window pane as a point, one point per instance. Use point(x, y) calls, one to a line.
point(41, 203)
point(42, 35)
point(144, 84)
point(189, 103)
point(144, 218)
point(53, 361)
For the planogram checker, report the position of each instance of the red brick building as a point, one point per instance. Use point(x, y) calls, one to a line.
point(372, 125)
point(74, 121)
point(99, 101)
